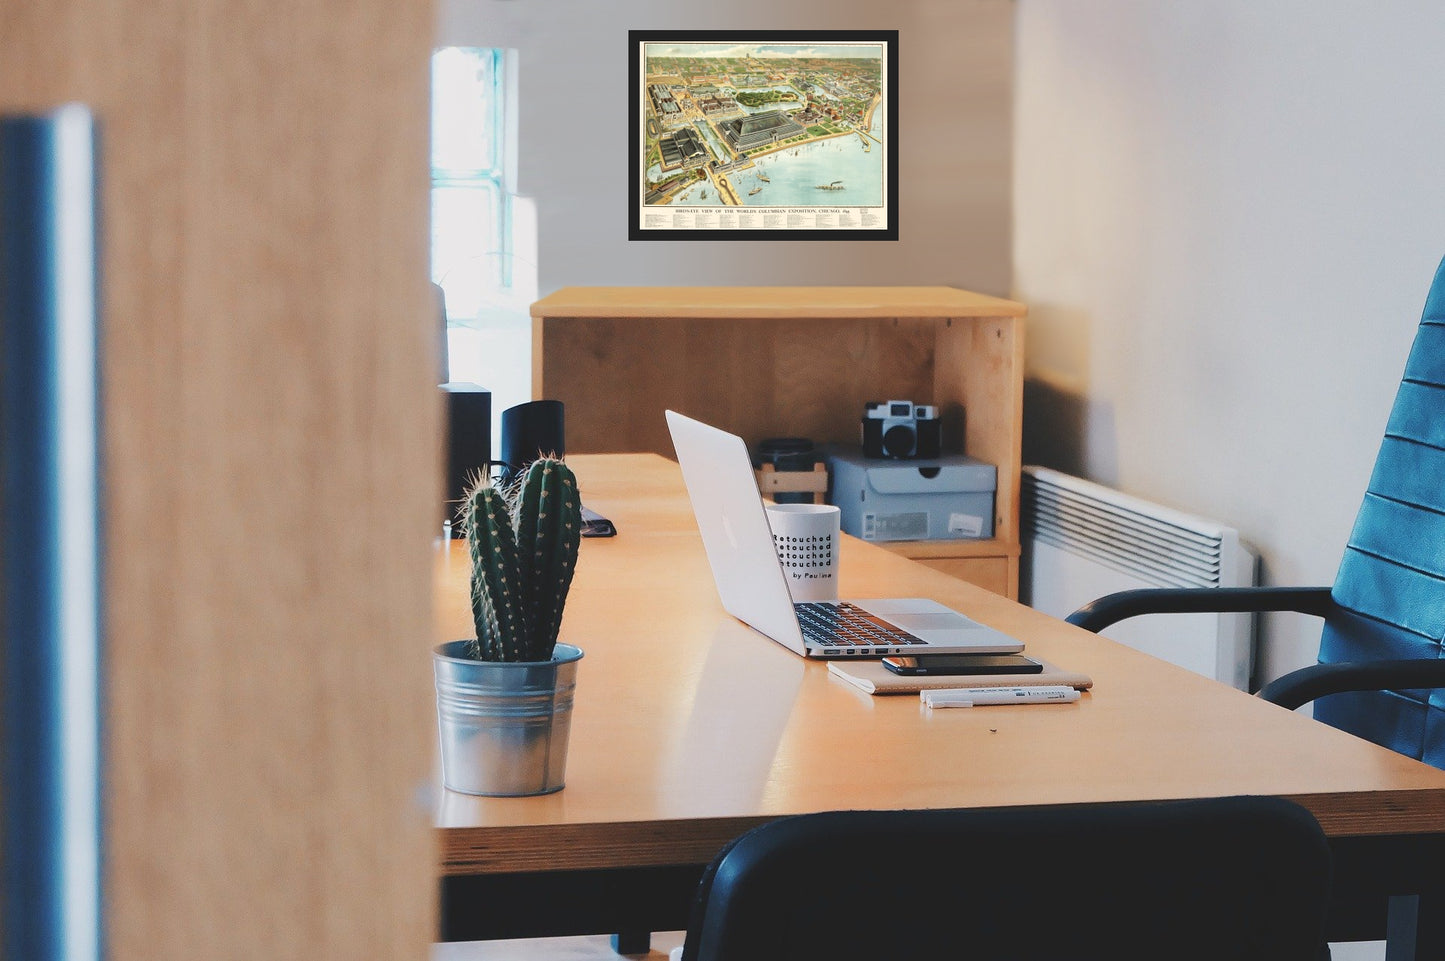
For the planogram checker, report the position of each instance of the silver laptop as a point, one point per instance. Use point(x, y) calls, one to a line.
point(754, 588)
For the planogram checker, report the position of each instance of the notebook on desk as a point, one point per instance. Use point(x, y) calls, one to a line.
point(753, 588)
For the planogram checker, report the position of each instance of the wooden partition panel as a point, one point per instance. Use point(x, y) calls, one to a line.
point(271, 447)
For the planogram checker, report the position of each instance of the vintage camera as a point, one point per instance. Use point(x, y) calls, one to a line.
point(900, 429)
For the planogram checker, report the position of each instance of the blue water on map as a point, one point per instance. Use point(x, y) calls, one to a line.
point(793, 175)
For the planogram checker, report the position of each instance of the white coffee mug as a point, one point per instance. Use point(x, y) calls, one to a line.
point(806, 537)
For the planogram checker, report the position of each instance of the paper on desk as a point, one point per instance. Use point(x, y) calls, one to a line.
point(873, 677)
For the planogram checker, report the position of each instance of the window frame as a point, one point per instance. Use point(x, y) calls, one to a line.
point(491, 176)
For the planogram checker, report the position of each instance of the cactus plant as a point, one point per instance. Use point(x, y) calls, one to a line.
point(523, 544)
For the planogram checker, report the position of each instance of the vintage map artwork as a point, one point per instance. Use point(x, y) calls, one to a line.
point(771, 135)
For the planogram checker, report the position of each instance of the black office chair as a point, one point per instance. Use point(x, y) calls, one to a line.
point(1239, 878)
point(1381, 650)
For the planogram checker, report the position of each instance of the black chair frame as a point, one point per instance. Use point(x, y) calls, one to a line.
point(1090, 881)
point(1295, 688)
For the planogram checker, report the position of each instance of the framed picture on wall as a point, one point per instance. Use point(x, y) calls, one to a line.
point(763, 135)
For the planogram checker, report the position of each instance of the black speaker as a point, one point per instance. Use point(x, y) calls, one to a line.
point(530, 431)
point(469, 442)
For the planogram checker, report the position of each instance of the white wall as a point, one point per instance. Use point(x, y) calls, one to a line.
point(1227, 216)
point(955, 71)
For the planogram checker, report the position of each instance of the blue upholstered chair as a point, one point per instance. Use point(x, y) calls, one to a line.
point(1381, 671)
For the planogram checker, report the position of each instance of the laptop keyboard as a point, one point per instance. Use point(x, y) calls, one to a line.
point(847, 627)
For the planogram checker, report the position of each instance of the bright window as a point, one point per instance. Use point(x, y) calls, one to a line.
point(483, 235)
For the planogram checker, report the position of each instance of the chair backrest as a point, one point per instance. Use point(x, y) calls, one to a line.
point(1238, 878)
point(1390, 589)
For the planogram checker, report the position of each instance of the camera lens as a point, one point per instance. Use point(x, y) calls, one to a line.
point(899, 440)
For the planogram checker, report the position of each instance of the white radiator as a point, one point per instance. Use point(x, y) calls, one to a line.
point(1082, 541)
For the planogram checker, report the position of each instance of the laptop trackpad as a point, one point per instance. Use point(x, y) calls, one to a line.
point(924, 624)
point(950, 629)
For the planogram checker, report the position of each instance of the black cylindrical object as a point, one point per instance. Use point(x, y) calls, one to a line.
point(788, 454)
point(50, 542)
point(530, 431)
point(469, 443)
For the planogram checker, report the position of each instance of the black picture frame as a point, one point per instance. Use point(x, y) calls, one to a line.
point(734, 219)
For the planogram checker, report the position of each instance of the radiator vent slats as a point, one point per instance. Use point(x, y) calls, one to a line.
point(1161, 547)
point(1081, 541)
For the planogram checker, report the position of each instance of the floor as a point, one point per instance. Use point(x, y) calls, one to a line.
point(552, 949)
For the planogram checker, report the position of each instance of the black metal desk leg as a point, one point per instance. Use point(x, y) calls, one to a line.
point(632, 942)
point(1416, 928)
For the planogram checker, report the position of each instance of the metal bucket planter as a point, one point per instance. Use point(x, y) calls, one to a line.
point(504, 726)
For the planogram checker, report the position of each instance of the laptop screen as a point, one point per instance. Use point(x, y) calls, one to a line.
point(734, 527)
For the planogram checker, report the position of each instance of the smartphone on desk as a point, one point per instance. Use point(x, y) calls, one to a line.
point(595, 525)
point(936, 664)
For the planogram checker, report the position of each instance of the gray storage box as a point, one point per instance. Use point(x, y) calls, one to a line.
point(947, 498)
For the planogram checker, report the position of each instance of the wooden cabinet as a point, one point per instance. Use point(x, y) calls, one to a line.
point(978, 563)
point(794, 361)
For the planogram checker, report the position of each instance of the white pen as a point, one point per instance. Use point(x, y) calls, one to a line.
point(982, 696)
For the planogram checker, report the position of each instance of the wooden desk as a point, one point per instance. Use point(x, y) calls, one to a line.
point(690, 728)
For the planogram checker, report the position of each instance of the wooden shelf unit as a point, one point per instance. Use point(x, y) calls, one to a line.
point(795, 361)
